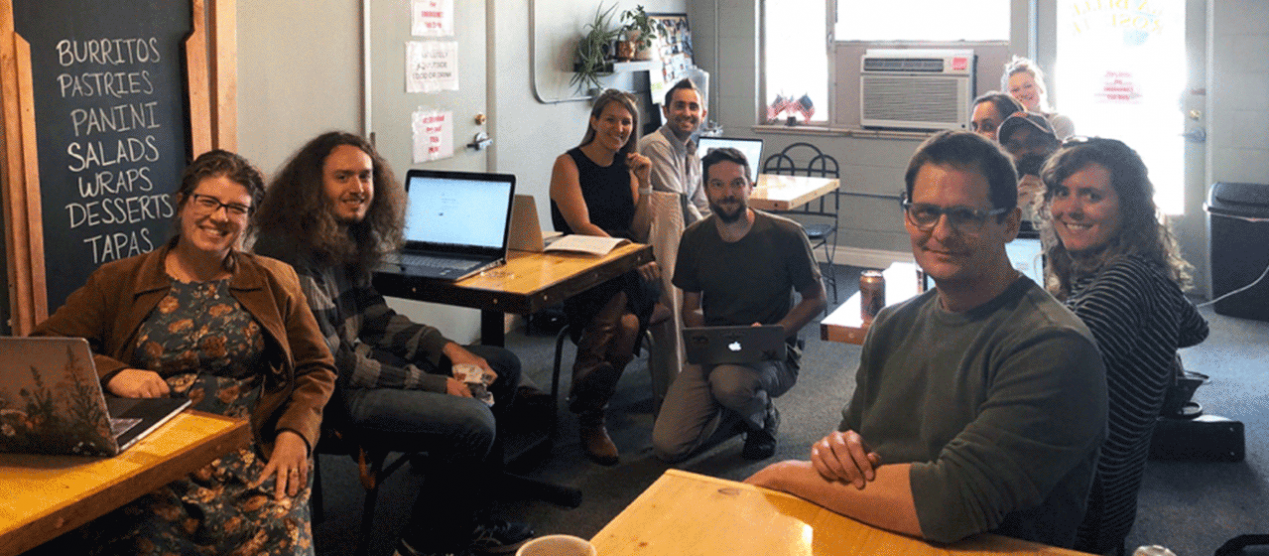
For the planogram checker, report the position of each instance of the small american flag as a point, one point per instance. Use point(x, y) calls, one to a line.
point(805, 107)
point(777, 106)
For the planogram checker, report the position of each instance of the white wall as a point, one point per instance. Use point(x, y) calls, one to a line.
point(1238, 139)
point(529, 133)
point(299, 74)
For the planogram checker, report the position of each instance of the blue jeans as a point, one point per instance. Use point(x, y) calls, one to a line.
point(458, 434)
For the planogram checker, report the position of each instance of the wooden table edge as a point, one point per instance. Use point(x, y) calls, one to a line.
point(981, 544)
point(55, 523)
point(392, 284)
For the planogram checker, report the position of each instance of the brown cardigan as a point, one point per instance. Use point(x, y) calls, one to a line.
point(109, 309)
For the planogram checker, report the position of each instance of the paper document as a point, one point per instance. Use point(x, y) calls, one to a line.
point(590, 245)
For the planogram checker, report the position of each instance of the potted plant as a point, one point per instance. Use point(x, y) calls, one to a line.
point(639, 31)
point(593, 57)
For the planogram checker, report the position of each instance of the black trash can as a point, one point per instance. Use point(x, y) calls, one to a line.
point(1240, 247)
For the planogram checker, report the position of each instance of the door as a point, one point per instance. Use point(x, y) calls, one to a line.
point(391, 108)
point(1135, 70)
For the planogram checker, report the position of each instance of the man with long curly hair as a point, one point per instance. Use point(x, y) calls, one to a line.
point(332, 212)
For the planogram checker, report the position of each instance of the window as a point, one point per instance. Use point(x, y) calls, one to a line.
point(939, 20)
point(796, 60)
point(800, 62)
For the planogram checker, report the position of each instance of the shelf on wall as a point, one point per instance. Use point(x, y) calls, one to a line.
point(625, 67)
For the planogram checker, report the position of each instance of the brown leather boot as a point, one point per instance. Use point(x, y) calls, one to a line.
point(594, 377)
point(595, 440)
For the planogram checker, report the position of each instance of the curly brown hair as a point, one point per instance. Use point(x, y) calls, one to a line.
point(295, 217)
point(1143, 229)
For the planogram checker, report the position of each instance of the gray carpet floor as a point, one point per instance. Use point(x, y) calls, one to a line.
point(1190, 507)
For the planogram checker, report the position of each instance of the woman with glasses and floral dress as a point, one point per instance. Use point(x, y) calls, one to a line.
point(1112, 259)
point(233, 332)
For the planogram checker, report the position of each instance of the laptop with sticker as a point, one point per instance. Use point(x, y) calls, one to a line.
point(718, 345)
point(51, 402)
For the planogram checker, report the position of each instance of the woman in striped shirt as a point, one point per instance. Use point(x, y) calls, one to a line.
point(1112, 259)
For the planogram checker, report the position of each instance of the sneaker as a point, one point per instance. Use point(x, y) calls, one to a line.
point(496, 536)
point(761, 444)
point(404, 549)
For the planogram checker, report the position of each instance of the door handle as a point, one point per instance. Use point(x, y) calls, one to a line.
point(480, 141)
point(1196, 135)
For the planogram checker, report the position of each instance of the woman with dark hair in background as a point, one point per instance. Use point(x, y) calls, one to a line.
point(601, 188)
point(1024, 80)
point(232, 331)
point(1111, 258)
point(990, 110)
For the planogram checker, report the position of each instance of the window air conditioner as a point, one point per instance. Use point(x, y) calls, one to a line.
point(916, 89)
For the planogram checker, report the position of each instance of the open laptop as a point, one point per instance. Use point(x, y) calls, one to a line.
point(718, 345)
point(752, 149)
point(51, 402)
point(456, 223)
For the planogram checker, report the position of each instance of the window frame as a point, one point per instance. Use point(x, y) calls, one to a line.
point(841, 94)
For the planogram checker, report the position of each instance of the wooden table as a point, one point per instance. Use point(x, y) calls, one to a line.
point(684, 514)
point(782, 193)
point(846, 323)
point(45, 496)
point(528, 283)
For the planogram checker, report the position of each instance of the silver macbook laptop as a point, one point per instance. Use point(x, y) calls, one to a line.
point(51, 402)
point(752, 149)
point(456, 223)
point(717, 345)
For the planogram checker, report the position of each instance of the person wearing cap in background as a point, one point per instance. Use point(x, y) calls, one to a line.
point(1029, 139)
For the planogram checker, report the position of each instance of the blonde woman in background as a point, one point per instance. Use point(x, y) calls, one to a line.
point(1024, 80)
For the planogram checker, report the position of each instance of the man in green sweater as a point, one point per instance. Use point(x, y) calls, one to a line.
point(979, 405)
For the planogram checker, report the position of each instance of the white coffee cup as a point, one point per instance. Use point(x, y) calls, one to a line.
point(557, 545)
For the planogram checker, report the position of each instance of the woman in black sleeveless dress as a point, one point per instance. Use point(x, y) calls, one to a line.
point(600, 188)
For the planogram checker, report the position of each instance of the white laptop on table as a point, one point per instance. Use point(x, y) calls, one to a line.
point(751, 148)
point(51, 402)
point(456, 223)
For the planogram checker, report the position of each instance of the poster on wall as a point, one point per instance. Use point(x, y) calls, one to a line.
point(432, 18)
point(673, 48)
point(431, 66)
point(433, 134)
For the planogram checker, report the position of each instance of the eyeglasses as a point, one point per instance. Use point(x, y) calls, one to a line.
point(206, 204)
point(925, 216)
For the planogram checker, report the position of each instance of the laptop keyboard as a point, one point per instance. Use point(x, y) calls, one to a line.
point(431, 261)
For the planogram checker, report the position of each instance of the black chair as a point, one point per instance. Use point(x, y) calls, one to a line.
point(338, 437)
point(818, 220)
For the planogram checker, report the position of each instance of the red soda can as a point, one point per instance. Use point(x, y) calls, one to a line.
point(872, 294)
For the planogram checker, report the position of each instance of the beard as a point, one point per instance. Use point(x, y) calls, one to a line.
point(728, 218)
point(1030, 164)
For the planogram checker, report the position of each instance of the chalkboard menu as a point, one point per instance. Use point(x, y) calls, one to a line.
point(112, 127)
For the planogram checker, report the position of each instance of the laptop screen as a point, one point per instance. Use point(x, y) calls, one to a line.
point(752, 149)
point(458, 208)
